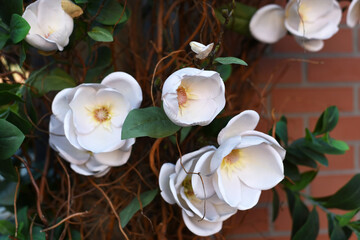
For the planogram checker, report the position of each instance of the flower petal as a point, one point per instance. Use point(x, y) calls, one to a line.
point(246, 120)
point(190, 156)
point(262, 167)
point(126, 85)
point(176, 193)
point(267, 24)
point(164, 178)
point(224, 149)
point(203, 187)
point(40, 42)
point(201, 227)
point(250, 197)
point(312, 45)
point(102, 173)
point(81, 169)
point(69, 130)
point(30, 16)
point(95, 166)
point(60, 104)
point(353, 14)
point(229, 186)
point(114, 158)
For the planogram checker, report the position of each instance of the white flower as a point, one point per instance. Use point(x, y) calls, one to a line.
point(353, 13)
point(313, 19)
point(50, 25)
point(177, 187)
point(193, 97)
point(200, 49)
point(246, 162)
point(309, 21)
point(87, 122)
point(267, 24)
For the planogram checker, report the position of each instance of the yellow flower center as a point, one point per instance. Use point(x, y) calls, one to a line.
point(181, 96)
point(101, 114)
point(232, 162)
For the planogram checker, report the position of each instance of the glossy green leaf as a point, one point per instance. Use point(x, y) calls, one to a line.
point(347, 217)
point(37, 234)
point(347, 198)
point(291, 171)
point(128, 212)
point(275, 204)
point(295, 155)
point(327, 121)
point(281, 130)
point(225, 71)
point(7, 170)
point(23, 218)
point(4, 37)
point(6, 227)
point(298, 210)
point(19, 28)
point(230, 60)
point(310, 229)
point(10, 139)
point(23, 124)
point(100, 34)
point(305, 179)
point(8, 97)
point(112, 11)
point(319, 157)
point(150, 122)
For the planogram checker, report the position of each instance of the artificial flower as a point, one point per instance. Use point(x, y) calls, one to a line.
point(87, 122)
point(50, 25)
point(267, 24)
point(353, 13)
point(200, 49)
point(246, 162)
point(313, 19)
point(193, 97)
point(176, 186)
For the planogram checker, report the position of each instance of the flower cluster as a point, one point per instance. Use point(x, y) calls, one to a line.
point(310, 22)
point(227, 178)
point(87, 120)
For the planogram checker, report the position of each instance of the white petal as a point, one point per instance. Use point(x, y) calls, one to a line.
point(196, 46)
point(312, 10)
point(203, 187)
point(102, 139)
point(82, 106)
point(267, 24)
point(230, 187)
point(127, 145)
point(262, 167)
point(312, 45)
point(95, 166)
point(164, 178)
point(60, 104)
point(249, 197)
point(222, 208)
point(114, 158)
point(30, 16)
point(40, 42)
point(224, 149)
point(246, 120)
point(102, 173)
point(191, 156)
point(353, 14)
point(176, 192)
point(81, 169)
point(201, 228)
point(201, 50)
point(69, 130)
point(126, 85)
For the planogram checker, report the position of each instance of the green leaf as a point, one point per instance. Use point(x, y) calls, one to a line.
point(6, 227)
point(281, 130)
point(347, 198)
point(327, 121)
point(230, 60)
point(7, 170)
point(37, 234)
point(310, 229)
point(4, 37)
point(128, 212)
point(7, 193)
point(337, 232)
point(319, 157)
point(275, 205)
point(81, 1)
point(291, 171)
point(100, 34)
point(5, 86)
point(298, 210)
point(8, 97)
point(21, 123)
point(19, 28)
point(150, 122)
point(22, 53)
point(10, 139)
point(225, 71)
point(112, 11)
point(23, 218)
point(346, 218)
point(57, 79)
point(305, 180)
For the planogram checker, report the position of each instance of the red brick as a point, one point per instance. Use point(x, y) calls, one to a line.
point(327, 185)
point(340, 162)
point(301, 100)
point(296, 128)
point(283, 221)
point(340, 42)
point(254, 220)
point(277, 71)
point(286, 45)
point(348, 128)
point(334, 70)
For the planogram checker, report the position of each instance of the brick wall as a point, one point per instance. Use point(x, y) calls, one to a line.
point(307, 83)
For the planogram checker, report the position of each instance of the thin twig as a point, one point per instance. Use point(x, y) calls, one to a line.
point(65, 219)
point(15, 198)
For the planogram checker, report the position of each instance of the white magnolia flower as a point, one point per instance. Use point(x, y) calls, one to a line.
point(193, 97)
point(267, 24)
point(200, 49)
point(309, 21)
point(246, 162)
point(313, 19)
point(50, 25)
point(177, 187)
point(353, 13)
point(87, 122)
